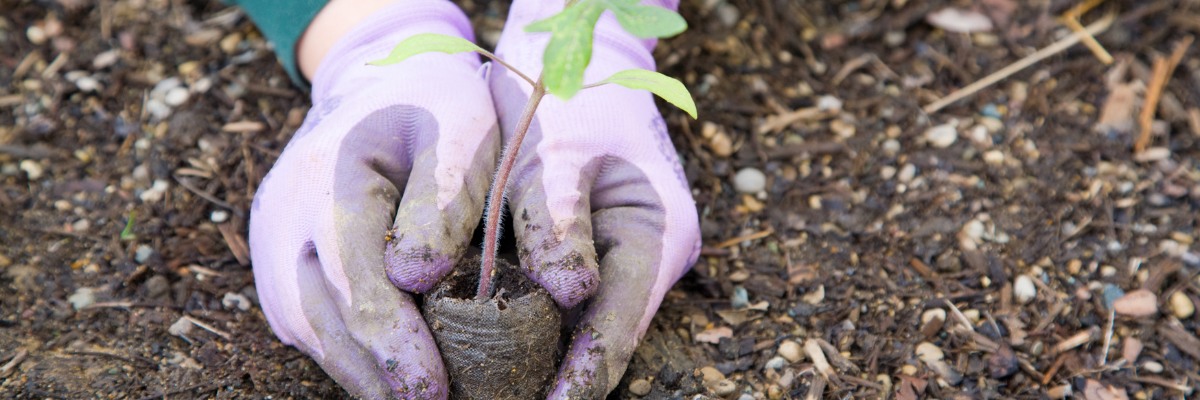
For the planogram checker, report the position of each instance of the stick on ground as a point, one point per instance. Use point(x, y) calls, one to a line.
point(1163, 69)
point(1057, 47)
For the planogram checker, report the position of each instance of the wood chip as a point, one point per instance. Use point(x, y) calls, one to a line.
point(1078, 339)
point(778, 122)
point(243, 126)
point(1094, 390)
point(236, 242)
point(1174, 332)
point(814, 352)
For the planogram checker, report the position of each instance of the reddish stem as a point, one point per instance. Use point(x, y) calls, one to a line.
point(495, 200)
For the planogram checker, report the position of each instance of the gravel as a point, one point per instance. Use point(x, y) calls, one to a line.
point(750, 181)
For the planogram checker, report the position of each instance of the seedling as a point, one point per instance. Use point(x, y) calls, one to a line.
point(566, 56)
point(565, 59)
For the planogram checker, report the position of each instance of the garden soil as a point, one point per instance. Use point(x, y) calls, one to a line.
point(1011, 245)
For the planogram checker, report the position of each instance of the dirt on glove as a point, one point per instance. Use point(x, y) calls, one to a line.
point(505, 347)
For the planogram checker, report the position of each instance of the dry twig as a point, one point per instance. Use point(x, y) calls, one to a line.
point(13, 363)
point(739, 239)
point(1057, 47)
point(207, 327)
point(1071, 20)
point(1163, 69)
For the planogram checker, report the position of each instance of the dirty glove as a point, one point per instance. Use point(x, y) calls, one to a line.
point(596, 177)
point(419, 135)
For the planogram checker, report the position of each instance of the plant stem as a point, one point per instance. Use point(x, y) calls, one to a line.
point(500, 61)
point(495, 201)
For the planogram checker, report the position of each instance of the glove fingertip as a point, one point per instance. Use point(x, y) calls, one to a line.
point(416, 269)
point(570, 283)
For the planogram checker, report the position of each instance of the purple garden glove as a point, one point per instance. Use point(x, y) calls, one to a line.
point(596, 176)
point(420, 135)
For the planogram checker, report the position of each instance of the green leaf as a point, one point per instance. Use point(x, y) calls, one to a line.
point(670, 89)
point(127, 233)
point(570, 48)
point(647, 21)
point(426, 43)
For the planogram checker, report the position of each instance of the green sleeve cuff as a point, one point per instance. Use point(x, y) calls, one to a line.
point(283, 22)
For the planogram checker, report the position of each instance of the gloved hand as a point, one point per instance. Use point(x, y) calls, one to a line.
point(419, 134)
point(596, 176)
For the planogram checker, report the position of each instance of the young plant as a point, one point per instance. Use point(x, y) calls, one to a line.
point(566, 57)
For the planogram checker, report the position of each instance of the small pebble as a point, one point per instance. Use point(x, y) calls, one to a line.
point(814, 297)
point(158, 109)
point(233, 300)
point(1111, 293)
point(106, 59)
point(1138, 303)
point(33, 169)
point(711, 375)
point(843, 129)
point(993, 125)
point(1182, 306)
point(887, 172)
point(202, 85)
point(776, 363)
point(219, 216)
point(176, 96)
point(295, 117)
point(188, 68)
point(972, 315)
point(993, 157)
point(230, 42)
point(907, 173)
point(891, 146)
point(36, 34)
point(724, 387)
point(181, 327)
point(155, 192)
point(157, 286)
point(933, 315)
point(640, 387)
point(720, 144)
point(909, 369)
point(82, 297)
point(791, 351)
point(746, 396)
point(942, 136)
point(1023, 289)
point(1074, 266)
point(750, 181)
point(929, 352)
point(728, 14)
point(1152, 367)
point(81, 225)
point(740, 298)
point(979, 135)
point(162, 87)
point(1108, 271)
point(143, 253)
point(5, 261)
point(829, 103)
point(88, 84)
